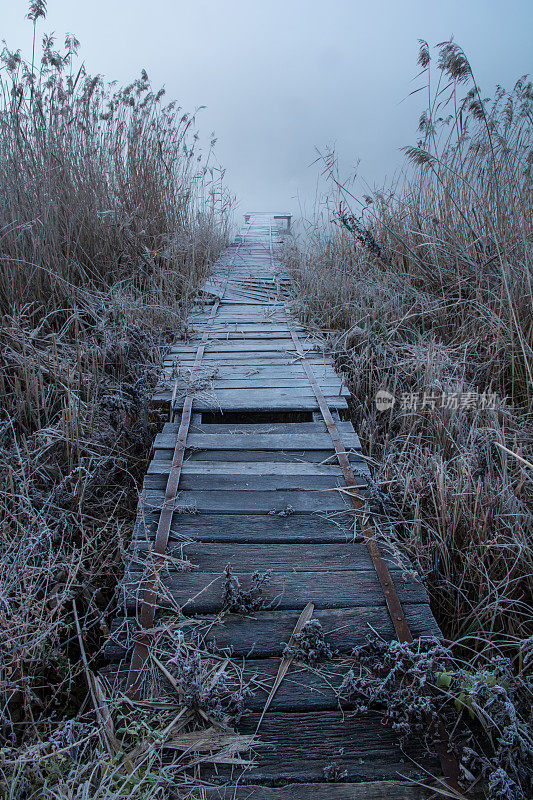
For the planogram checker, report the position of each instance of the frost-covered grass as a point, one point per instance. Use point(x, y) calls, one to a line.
point(110, 216)
point(484, 701)
point(426, 289)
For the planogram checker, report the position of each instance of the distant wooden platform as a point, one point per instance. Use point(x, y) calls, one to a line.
point(259, 490)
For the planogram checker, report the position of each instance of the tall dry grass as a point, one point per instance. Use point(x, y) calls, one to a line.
point(110, 216)
point(426, 287)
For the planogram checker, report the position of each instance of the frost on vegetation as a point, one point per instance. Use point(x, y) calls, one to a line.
point(333, 772)
point(416, 685)
point(288, 511)
point(108, 225)
point(244, 601)
point(204, 686)
point(309, 644)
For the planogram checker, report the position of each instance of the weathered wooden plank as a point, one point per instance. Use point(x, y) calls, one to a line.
point(329, 386)
point(265, 427)
point(255, 310)
point(369, 790)
point(247, 398)
point(244, 306)
point(289, 456)
point(244, 402)
point(234, 371)
point(159, 471)
point(248, 557)
point(240, 357)
point(266, 633)
point(241, 290)
point(299, 747)
point(234, 332)
point(245, 366)
point(201, 592)
point(219, 327)
point(235, 308)
point(302, 689)
point(228, 358)
point(239, 371)
point(247, 363)
point(245, 345)
point(260, 441)
point(261, 529)
point(260, 502)
point(260, 313)
point(218, 323)
point(252, 468)
point(344, 628)
point(268, 318)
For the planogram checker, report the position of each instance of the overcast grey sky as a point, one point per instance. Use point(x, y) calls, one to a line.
point(282, 77)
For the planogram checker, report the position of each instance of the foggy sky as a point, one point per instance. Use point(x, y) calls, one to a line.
point(283, 77)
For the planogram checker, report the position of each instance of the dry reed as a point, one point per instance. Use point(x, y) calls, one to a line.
point(426, 289)
point(110, 216)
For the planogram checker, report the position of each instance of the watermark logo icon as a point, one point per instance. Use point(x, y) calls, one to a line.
point(384, 400)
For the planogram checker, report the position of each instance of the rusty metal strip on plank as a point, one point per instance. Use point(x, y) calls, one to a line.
point(449, 764)
point(387, 585)
point(150, 592)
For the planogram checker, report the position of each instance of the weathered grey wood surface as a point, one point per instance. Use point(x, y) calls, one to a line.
point(281, 501)
point(261, 634)
point(299, 747)
point(370, 790)
point(248, 557)
point(261, 490)
point(201, 592)
point(258, 441)
point(257, 528)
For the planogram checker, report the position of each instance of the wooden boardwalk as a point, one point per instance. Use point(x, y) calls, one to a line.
point(259, 490)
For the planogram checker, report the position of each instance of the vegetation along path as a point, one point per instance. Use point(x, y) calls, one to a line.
point(253, 570)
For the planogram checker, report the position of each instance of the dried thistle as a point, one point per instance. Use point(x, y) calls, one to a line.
point(237, 600)
point(309, 644)
point(202, 686)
